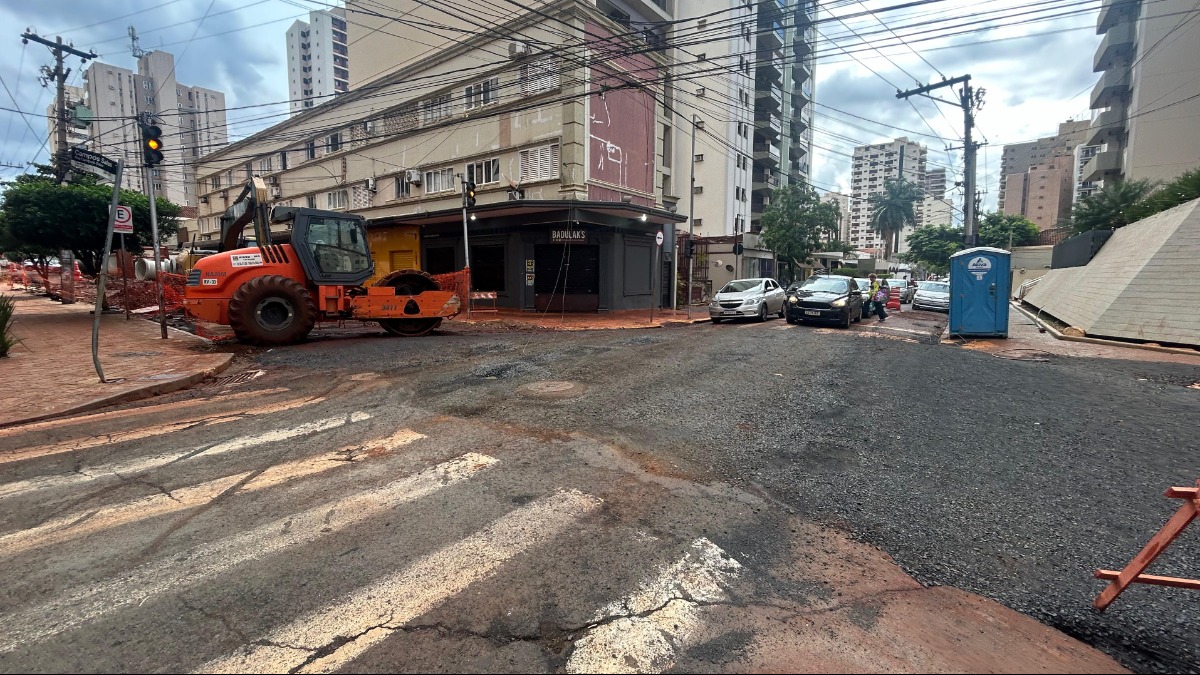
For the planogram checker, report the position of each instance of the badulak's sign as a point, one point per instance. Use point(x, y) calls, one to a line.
point(564, 235)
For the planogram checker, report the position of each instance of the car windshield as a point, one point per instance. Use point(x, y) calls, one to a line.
point(824, 284)
point(935, 286)
point(863, 284)
point(741, 286)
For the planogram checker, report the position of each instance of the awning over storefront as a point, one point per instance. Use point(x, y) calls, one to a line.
point(528, 212)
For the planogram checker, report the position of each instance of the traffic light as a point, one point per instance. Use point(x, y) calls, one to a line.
point(468, 194)
point(152, 145)
point(689, 248)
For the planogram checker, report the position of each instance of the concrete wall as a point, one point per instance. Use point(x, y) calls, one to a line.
point(1028, 263)
point(1141, 286)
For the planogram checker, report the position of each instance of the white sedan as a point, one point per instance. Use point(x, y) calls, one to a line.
point(742, 298)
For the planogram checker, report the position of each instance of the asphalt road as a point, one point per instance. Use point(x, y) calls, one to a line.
point(680, 468)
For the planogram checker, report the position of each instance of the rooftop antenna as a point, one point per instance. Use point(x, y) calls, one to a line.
point(137, 50)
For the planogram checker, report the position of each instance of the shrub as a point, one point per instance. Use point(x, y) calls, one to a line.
point(7, 308)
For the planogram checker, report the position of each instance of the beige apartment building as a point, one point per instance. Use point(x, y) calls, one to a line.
point(873, 166)
point(1147, 102)
point(192, 120)
point(1043, 194)
point(565, 151)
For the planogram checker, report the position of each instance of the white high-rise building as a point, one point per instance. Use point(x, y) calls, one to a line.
point(76, 136)
point(192, 120)
point(873, 165)
point(318, 58)
point(843, 204)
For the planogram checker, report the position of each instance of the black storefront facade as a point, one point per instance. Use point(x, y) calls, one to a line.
point(555, 255)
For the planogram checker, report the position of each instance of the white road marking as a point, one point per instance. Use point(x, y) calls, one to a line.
point(147, 432)
point(87, 522)
point(133, 412)
point(371, 613)
point(136, 466)
point(659, 618)
point(203, 562)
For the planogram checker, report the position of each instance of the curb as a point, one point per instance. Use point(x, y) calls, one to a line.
point(1099, 341)
point(147, 391)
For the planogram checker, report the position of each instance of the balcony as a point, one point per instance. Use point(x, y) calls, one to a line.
point(1108, 125)
point(801, 72)
point(804, 14)
point(770, 70)
point(770, 126)
point(1116, 47)
point(798, 148)
point(1105, 165)
point(798, 126)
point(769, 99)
point(801, 48)
point(764, 182)
point(770, 34)
point(1113, 12)
point(800, 98)
point(1112, 88)
point(768, 154)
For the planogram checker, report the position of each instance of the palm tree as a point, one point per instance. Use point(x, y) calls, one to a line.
point(1111, 207)
point(893, 209)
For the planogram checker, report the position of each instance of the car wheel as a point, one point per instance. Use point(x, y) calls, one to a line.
point(714, 319)
point(783, 310)
point(858, 317)
point(790, 319)
point(762, 312)
point(846, 320)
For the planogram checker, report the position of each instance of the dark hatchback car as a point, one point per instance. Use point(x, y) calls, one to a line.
point(828, 299)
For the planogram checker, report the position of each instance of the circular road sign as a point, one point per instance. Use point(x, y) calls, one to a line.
point(123, 222)
point(658, 238)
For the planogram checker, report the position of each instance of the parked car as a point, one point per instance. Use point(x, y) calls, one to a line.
point(932, 295)
point(834, 299)
point(907, 290)
point(742, 298)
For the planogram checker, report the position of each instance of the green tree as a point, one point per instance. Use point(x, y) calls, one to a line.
point(1116, 205)
point(931, 247)
point(41, 215)
point(793, 223)
point(995, 229)
point(893, 209)
point(1184, 188)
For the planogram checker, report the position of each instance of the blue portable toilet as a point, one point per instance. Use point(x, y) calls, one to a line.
point(979, 283)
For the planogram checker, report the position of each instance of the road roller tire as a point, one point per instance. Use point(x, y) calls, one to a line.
point(272, 310)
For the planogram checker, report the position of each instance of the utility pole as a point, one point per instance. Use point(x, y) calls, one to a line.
point(692, 221)
point(59, 74)
point(969, 100)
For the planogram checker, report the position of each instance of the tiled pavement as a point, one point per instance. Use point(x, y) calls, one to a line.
point(50, 372)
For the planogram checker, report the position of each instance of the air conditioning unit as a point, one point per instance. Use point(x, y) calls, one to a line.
point(276, 192)
point(371, 185)
point(224, 194)
point(413, 176)
point(272, 180)
point(517, 194)
point(518, 50)
point(204, 200)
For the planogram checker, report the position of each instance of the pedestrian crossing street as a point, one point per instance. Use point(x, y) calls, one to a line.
point(256, 521)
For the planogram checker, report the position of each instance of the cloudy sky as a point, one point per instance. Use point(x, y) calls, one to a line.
point(1033, 57)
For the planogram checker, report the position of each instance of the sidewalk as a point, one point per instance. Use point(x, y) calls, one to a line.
point(50, 372)
point(1026, 341)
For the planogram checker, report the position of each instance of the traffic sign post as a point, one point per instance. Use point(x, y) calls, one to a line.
point(656, 273)
point(103, 272)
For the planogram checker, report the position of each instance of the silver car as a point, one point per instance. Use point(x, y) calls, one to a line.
point(932, 295)
point(742, 298)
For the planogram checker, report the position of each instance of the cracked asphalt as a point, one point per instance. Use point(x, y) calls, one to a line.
point(745, 497)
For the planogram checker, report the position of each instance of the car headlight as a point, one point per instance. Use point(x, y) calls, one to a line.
point(752, 301)
point(792, 299)
point(839, 303)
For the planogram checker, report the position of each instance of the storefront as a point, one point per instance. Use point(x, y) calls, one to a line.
point(555, 255)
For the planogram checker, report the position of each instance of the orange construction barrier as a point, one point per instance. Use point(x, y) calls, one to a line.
point(1132, 574)
point(893, 297)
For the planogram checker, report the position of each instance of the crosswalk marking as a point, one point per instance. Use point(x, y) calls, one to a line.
point(333, 636)
point(133, 467)
point(133, 412)
point(657, 619)
point(205, 561)
point(147, 432)
point(84, 523)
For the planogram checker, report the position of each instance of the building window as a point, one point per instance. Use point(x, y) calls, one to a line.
point(482, 93)
point(698, 190)
point(436, 108)
point(700, 158)
point(403, 187)
point(539, 163)
point(335, 142)
point(264, 165)
point(310, 150)
point(538, 76)
point(335, 200)
point(487, 171)
point(283, 161)
point(439, 180)
point(216, 181)
point(229, 178)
